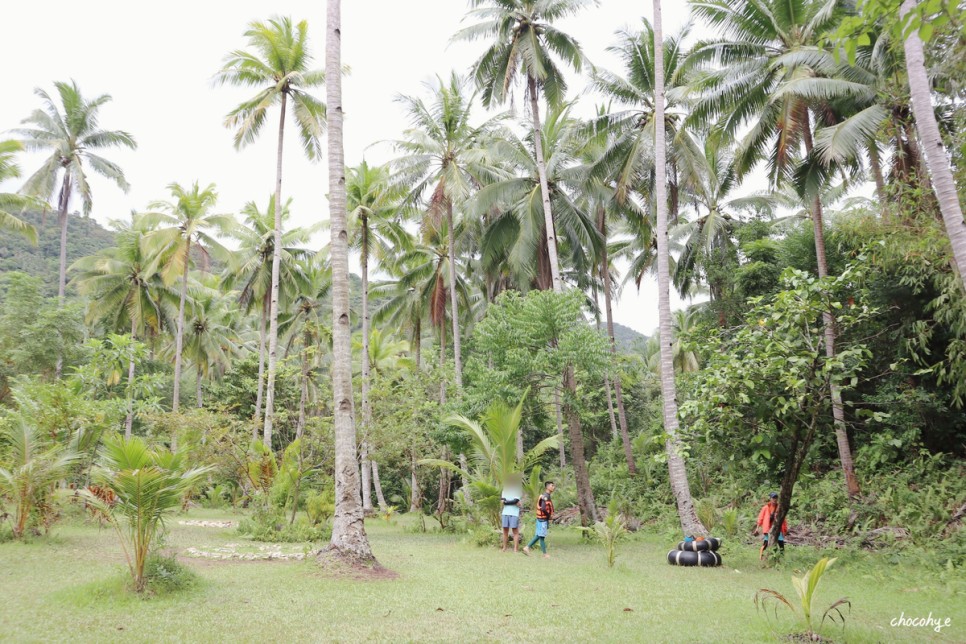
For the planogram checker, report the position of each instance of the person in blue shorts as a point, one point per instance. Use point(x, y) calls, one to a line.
point(510, 519)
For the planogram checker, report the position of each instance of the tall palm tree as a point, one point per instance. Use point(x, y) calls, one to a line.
point(70, 132)
point(348, 525)
point(249, 272)
point(374, 209)
point(10, 170)
point(759, 62)
point(280, 68)
point(942, 176)
point(525, 42)
point(675, 462)
point(125, 290)
point(445, 155)
point(186, 224)
point(211, 338)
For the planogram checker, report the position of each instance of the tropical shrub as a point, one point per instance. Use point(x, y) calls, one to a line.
point(805, 588)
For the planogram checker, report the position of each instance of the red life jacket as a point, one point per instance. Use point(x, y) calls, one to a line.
point(545, 508)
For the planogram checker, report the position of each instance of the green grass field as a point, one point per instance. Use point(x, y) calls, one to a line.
point(71, 587)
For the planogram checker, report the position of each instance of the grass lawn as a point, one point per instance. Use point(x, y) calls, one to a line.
point(71, 587)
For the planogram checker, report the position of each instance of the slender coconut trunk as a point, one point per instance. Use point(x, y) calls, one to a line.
point(607, 388)
point(417, 343)
point(444, 484)
point(453, 299)
point(464, 481)
point(442, 363)
point(690, 523)
point(585, 496)
point(129, 420)
point(304, 393)
point(838, 409)
point(377, 484)
point(179, 340)
point(880, 189)
point(260, 387)
point(366, 371)
point(560, 432)
point(199, 376)
point(276, 268)
point(618, 387)
point(544, 186)
point(942, 177)
point(62, 276)
point(348, 525)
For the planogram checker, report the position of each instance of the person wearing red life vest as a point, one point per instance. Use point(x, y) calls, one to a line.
point(766, 517)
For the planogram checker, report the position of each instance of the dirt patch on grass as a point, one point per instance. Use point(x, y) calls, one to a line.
point(209, 524)
point(339, 565)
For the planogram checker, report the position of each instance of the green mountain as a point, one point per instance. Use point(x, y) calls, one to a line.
point(84, 237)
point(628, 340)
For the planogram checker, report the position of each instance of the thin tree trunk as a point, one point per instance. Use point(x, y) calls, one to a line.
point(377, 484)
point(304, 393)
point(129, 421)
point(62, 276)
point(465, 482)
point(453, 299)
point(260, 387)
point(838, 410)
point(198, 382)
point(442, 363)
point(936, 158)
point(585, 496)
point(609, 312)
point(414, 491)
point(560, 432)
point(444, 481)
point(690, 523)
point(276, 269)
point(348, 525)
point(417, 343)
point(179, 340)
point(366, 370)
point(880, 190)
point(544, 187)
point(610, 407)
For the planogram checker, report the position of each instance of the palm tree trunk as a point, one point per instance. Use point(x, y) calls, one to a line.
point(442, 363)
point(304, 393)
point(417, 343)
point(276, 268)
point(179, 336)
point(942, 177)
point(129, 420)
point(453, 299)
point(544, 187)
point(465, 489)
point(690, 523)
point(880, 190)
point(260, 387)
point(585, 496)
point(444, 481)
point(377, 485)
point(838, 409)
point(366, 369)
point(62, 276)
point(610, 407)
point(348, 525)
point(560, 432)
point(198, 380)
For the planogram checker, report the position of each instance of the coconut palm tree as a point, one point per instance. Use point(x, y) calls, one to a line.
point(445, 156)
point(211, 337)
point(279, 65)
point(70, 132)
point(374, 211)
point(761, 66)
point(125, 290)
point(249, 272)
point(524, 43)
point(675, 462)
point(942, 176)
point(348, 525)
point(186, 224)
point(8, 202)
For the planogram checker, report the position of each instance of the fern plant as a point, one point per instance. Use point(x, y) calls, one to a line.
point(805, 587)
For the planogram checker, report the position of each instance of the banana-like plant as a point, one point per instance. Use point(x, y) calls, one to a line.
point(805, 587)
point(493, 445)
point(34, 467)
point(147, 485)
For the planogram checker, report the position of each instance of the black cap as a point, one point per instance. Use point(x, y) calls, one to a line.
point(773, 495)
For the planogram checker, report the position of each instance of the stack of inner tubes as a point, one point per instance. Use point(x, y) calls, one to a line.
point(700, 552)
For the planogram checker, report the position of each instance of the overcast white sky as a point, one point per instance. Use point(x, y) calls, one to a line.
point(156, 60)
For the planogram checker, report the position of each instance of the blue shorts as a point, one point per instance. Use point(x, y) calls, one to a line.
point(511, 521)
point(781, 538)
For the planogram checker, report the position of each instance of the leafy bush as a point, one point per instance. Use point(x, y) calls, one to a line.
point(167, 575)
point(269, 523)
point(320, 506)
point(805, 588)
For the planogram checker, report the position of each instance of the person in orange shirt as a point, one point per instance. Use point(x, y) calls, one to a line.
point(765, 519)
